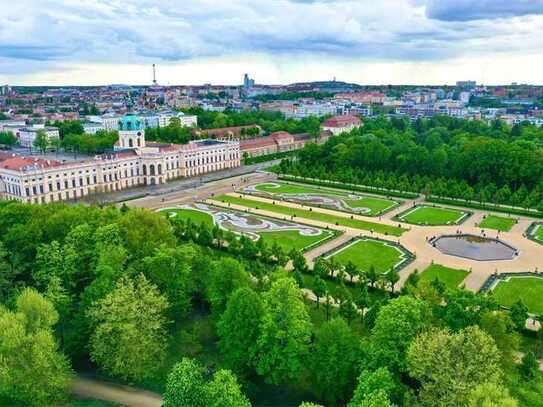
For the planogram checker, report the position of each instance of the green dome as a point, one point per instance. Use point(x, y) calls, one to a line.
point(131, 122)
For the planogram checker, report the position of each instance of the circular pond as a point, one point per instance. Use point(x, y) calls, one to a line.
point(474, 247)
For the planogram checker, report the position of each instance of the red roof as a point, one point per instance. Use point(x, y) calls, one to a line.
point(342, 121)
point(18, 163)
point(278, 135)
point(256, 143)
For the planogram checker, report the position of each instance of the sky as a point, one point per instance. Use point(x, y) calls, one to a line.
point(434, 42)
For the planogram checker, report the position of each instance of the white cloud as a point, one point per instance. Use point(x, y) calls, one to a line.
point(46, 36)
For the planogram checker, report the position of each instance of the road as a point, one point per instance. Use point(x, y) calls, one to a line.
point(124, 395)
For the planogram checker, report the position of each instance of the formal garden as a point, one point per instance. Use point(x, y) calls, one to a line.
point(432, 216)
point(324, 197)
point(535, 232)
point(287, 235)
point(329, 218)
point(367, 253)
point(452, 278)
point(525, 288)
point(500, 223)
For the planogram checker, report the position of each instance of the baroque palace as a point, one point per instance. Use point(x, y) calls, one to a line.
point(134, 162)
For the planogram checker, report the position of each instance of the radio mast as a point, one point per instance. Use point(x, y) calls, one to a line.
point(154, 76)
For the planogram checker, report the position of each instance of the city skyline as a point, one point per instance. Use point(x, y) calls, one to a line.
point(419, 42)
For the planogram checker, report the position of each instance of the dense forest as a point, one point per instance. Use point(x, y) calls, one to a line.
point(211, 319)
point(441, 156)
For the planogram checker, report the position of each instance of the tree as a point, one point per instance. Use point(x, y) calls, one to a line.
point(333, 361)
point(226, 276)
point(224, 391)
point(348, 310)
point(449, 366)
point(376, 399)
point(370, 383)
point(41, 142)
point(529, 367)
point(490, 395)
point(501, 328)
point(32, 370)
point(129, 338)
point(285, 333)
point(351, 270)
point(319, 288)
point(397, 324)
point(392, 277)
point(372, 276)
point(7, 138)
point(185, 385)
point(239, 329)
point(519, 315)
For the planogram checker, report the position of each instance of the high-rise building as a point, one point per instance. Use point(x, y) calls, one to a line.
point(248, 83)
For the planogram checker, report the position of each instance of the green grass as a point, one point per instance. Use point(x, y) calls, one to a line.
point(365, 253)
point(451, 277)
point(538, 233)
point(313, 215)
point(527, 289)
point(197, 217)
point(375, 205)
point(498, 223)
point(426, 215)
point(290, 239)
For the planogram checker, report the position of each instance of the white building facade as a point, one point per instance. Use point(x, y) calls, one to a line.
point(43, 181)
point(27, 135)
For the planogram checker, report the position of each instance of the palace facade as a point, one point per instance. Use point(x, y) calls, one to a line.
point(134, 162)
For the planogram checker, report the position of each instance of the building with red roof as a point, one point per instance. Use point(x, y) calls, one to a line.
point(340, 124)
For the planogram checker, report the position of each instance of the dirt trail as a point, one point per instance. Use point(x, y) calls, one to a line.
point(115, 393)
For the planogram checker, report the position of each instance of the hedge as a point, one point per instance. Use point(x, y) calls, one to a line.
point(485, 206)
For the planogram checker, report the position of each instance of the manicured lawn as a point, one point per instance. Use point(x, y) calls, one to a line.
point(365, 253)
point(427, 215)
point(375, 205)
point(498, 223)
point(538, 233)
point(313, 215)
point(290, 239)
point(451, 277)
point(197, 217)
point(527, 289)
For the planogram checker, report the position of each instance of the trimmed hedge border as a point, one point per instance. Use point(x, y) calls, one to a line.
point(485, 206)
point(530, 232)
point(490, 281)
point(397, 218)
point(304, 203)
point(350, 187)
point(335, 233)
point(410, 257)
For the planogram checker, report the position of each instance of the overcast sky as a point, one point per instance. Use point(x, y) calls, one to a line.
point(276, 41)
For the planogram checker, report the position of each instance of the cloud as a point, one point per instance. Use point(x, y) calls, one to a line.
point(128, 32)
point(466, 10)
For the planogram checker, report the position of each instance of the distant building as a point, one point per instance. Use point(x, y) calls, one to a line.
point(340, 124)
point(27, 135)
point(230, 133)
point(280, 141)
point(248, 83)
point(466, 84)
point(92, 128)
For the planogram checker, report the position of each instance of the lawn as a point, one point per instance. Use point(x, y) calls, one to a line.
point(375, 205)
point(498, 223)
point(527, 289)
point(538, 233)
point(433, 216)
point(367, 252)
point(290, 239)
point(451, 277)
point(313, 215)
point(197, 217)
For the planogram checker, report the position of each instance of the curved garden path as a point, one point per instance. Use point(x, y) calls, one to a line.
point(124, 395)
